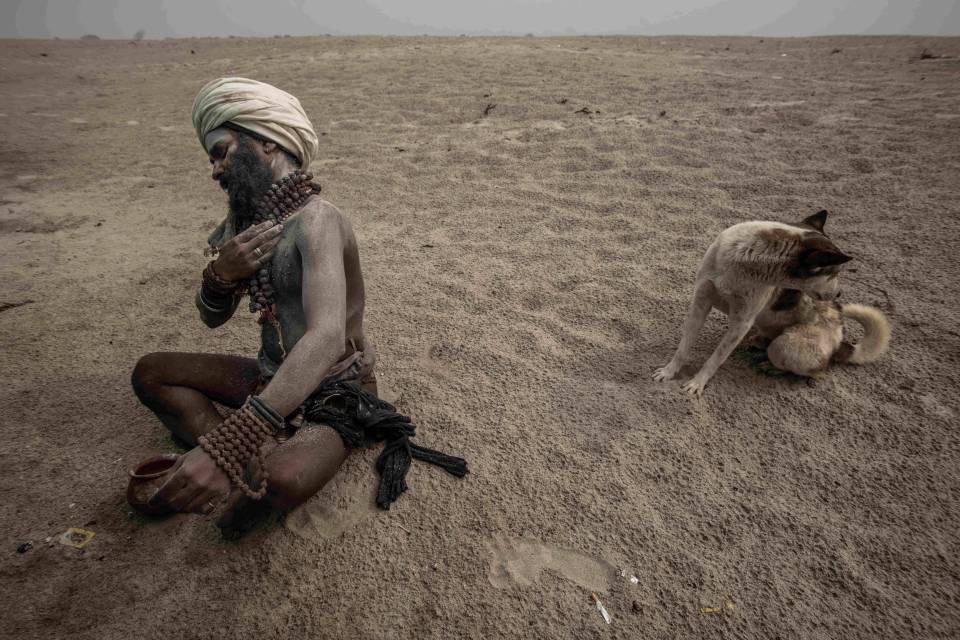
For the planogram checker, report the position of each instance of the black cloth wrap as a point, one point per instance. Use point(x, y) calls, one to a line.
point(362, 419)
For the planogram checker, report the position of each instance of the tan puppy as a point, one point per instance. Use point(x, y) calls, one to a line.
point(741, 274)
point(804, 335)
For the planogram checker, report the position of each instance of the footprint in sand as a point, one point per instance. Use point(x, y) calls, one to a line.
point(520, 562)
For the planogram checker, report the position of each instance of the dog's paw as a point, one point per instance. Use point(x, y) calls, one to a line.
point(665, 373)
point(695, 386)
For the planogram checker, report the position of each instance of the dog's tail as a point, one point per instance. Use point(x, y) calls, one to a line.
point(876, 334)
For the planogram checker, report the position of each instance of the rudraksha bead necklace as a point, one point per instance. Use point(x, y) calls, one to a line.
point(282, 200)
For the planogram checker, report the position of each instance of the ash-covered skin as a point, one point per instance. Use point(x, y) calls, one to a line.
point(319, 297)
point(246, 178)
point(287, 273)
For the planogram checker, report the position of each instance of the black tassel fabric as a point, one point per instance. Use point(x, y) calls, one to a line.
point(362, 419)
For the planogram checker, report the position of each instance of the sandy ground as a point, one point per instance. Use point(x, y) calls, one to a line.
point(527, 271)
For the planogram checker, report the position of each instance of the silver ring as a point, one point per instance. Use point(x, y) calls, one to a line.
point(258, 252)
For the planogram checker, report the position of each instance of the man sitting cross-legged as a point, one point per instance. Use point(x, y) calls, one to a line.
point(296, 256)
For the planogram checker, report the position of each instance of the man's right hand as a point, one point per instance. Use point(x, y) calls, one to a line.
point(194, 482)
point(246, 253)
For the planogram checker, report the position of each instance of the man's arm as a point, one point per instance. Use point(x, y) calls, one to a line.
point(215, 311)
point(197, 479)
point(325, 306)
point(239, 259)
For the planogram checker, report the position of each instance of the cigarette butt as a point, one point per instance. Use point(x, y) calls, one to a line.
point(601, 609)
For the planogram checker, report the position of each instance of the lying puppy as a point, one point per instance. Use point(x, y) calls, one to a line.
point(804, 335)
point(741, 274)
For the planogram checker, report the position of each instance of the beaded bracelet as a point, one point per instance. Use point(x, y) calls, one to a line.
point(214, 303)
point(239, 438)
point(217, 285)
point(266, 412)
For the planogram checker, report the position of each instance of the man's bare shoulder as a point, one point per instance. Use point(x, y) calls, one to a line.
point(318, 211)
point(321, 216)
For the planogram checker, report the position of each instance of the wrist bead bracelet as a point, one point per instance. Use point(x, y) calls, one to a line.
point(239, 438)
point(216, 284)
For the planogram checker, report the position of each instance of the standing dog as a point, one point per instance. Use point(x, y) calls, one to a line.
point(804, 335)
point(741, 274)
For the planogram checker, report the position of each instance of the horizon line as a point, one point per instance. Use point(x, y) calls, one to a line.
point(92, 37)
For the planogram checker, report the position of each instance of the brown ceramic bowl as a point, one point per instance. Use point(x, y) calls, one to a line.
point(145, 479)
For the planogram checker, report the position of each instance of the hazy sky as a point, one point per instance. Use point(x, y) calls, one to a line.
point(165, 18)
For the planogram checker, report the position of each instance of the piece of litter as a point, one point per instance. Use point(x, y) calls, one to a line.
point(603, 612)
point(623, 573)
point(26, 546)
point(634, 579)
point(76, 538)
point(709, 609)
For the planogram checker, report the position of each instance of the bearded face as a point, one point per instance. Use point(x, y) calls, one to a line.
point(247, 179)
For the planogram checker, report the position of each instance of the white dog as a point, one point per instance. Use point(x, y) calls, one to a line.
point(741, 274)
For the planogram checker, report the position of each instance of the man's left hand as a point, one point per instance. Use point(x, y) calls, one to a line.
point(194, 483)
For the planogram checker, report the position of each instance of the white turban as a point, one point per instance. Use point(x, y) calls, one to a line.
point(262, 108)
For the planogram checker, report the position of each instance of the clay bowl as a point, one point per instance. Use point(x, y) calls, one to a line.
point(145, 479)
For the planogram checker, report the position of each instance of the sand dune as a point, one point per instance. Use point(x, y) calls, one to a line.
point(527, 271)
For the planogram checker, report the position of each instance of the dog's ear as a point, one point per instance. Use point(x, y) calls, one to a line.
point(818, 257)
point(817, 220)
point(825, 258)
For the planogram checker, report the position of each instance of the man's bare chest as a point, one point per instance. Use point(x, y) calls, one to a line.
point(287, 269)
